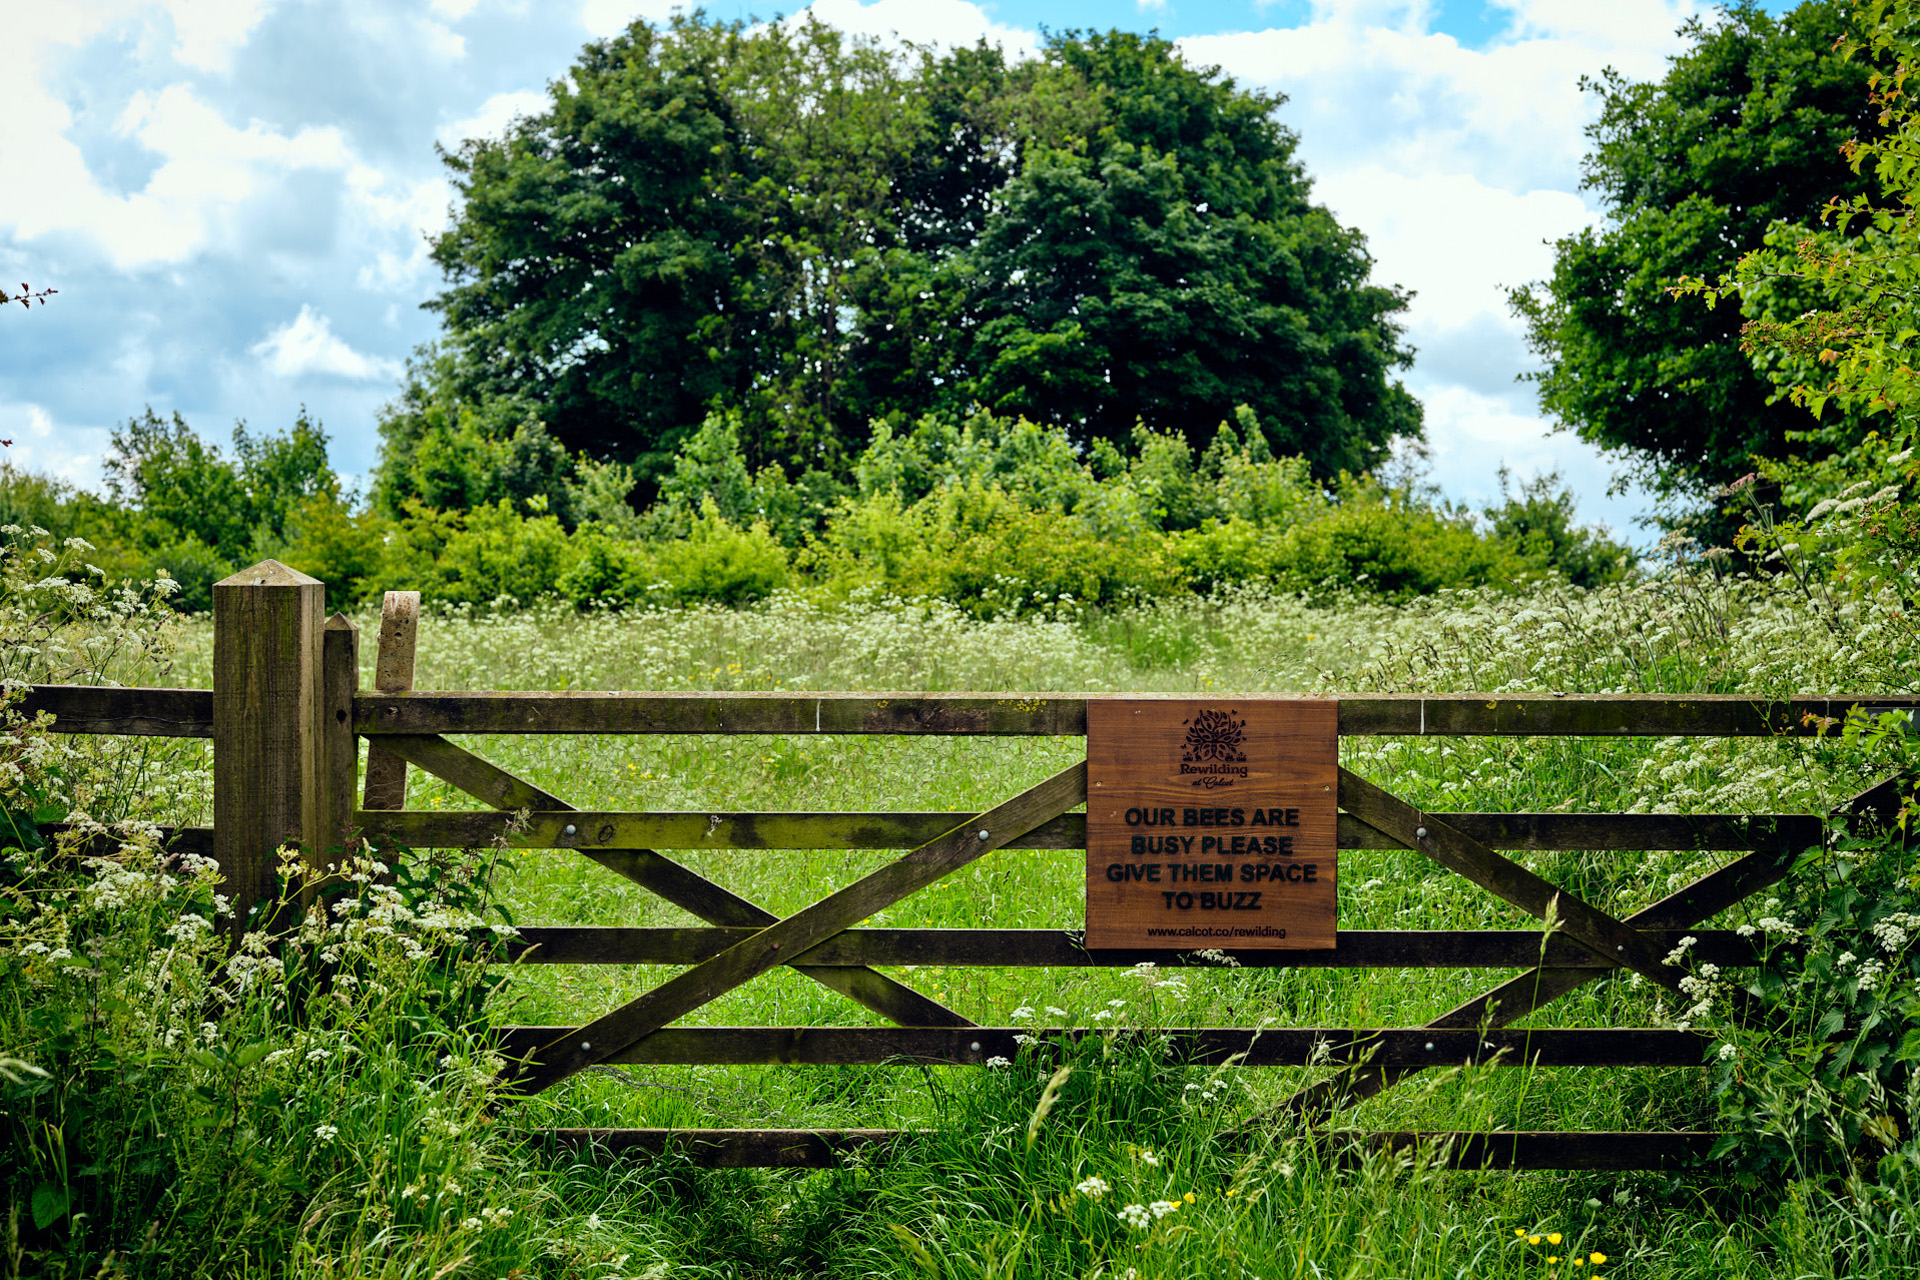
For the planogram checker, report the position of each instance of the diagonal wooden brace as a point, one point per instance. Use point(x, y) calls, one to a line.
point(679, 885)
point(1598, 932)
point(1514, 999)
point(793, 936)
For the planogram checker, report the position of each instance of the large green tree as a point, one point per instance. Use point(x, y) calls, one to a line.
point(1741, 135)
point(1168, 264)
point(814, 233)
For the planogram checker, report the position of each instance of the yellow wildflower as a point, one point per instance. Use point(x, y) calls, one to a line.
point(1533, 1239)
point(1553, 1237)
point(1521, 1232)
point(1598, 1258)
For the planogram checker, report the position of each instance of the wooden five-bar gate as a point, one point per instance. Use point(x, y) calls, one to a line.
point(286, 714)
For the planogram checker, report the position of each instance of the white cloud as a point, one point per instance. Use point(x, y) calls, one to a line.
point(1466, 429)
point(42, 445)
point(408, 211)
point(29, 29)
point(1617, 24)
point(1452, 238)
point(1416, 101)
point(443, 40)
point(1471, 436)
point(611, 17)
point(208, 168)
point(1458, 164)
point(494, 115)
point(307, 345)
point(206, 32)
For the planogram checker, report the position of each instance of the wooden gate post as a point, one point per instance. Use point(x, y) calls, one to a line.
point(340, 746)
point(392, 673)
point(267, 703)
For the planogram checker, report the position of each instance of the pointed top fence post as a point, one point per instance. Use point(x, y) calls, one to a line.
point(267, 701)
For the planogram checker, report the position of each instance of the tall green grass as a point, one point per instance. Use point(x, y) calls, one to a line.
point(992, 1187)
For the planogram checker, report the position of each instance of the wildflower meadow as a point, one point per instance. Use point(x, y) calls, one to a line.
point(324, 1099)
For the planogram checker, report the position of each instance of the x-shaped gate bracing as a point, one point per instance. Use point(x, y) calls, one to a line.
point(786, 941)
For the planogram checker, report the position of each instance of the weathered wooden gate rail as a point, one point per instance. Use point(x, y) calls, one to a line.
point(286, 715)
point(188, 713)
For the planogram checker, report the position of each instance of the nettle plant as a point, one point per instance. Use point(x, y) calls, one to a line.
point(1815, 1075)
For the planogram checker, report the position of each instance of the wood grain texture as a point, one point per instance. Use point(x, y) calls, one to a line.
point(1047, 714)
point(796, 934)
point(1063, 949)
point(188, 713)
point(1604, 715)
point(386, 786)
point(144, 713)
point(715, 829)
point(723, 713)
point(267, 623)
point(339, 745)
point(827, 1148)
point(1199, 1046)
point(677, 884)
point(1212, 823)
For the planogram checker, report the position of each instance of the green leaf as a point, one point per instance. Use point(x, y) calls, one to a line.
point(251, 1054)
point(49, 1205)
point(1909, 1047)
point(1831, 1021)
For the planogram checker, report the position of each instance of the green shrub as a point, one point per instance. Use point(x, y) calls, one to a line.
point(442, 450)
point(1391, 549)
point(998, 555)
point(343, 548)
point(877, 542)
point(1223, 553)
point(708, 470)
point(986, 550)
point(719, 562)
point(606, 570)
point(1538, 524)
point(498, 553)
point(492, 553)
point(192, 565)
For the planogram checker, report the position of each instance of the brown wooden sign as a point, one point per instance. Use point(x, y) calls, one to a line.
point(1211, 823)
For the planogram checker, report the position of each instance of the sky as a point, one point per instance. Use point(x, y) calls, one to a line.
point(233, 197)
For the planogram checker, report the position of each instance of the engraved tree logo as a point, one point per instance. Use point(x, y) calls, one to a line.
point(1214, 736)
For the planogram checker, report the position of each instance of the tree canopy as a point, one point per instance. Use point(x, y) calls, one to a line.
point(1741, 136)
point(817, 233)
